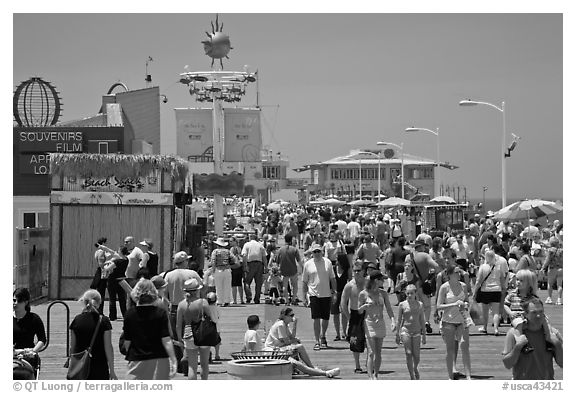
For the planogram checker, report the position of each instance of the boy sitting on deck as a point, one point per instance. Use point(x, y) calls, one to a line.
point(252, 340)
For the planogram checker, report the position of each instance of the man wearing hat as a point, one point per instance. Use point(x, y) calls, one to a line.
point(175, 279)
point(423, 266)
point(150, 259)
point(254, 255)
point(319, 281)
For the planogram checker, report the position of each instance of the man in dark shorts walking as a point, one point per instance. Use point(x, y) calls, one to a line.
point(349, 307)
point(288, 258)
point(319, 282)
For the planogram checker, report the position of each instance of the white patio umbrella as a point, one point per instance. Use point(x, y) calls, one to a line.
point(530, 208)
point(274, 206)
point(334, 202)
point(361, 203)
point(443, 199)
point(393, 202)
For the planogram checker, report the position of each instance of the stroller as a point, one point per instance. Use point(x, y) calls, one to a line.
point(26, 366)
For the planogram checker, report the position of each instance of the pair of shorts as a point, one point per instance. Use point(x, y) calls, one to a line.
point(489, 297)
point(189, 344)
point(555, 274)
point(456, 328)
point(355, 318)
point(320, 307)
point(335, 305)
point(406, 335)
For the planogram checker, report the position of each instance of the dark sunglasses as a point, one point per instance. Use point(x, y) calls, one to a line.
point(316, 251)
point(291, 315)
point(357, 271)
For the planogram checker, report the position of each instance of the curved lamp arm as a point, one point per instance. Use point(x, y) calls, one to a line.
point(472, 103)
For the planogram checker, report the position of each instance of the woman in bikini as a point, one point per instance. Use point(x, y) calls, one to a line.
point(372, 300)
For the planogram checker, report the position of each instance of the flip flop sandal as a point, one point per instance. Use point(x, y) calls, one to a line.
point(317, 347)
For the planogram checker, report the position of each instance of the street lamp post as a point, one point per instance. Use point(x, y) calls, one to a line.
point(401, 147)
point(358, 154)
point(437, 133)
point(503, 152)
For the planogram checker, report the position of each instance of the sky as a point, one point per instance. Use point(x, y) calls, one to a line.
point(332, 82)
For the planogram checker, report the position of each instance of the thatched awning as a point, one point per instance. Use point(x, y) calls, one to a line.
point(121, 165)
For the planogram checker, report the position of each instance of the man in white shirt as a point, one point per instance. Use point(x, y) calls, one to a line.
point(353, 231)
point(175, 279)
point(319, 282)
point(254, 255)
point(134, 257)
point(341, 224)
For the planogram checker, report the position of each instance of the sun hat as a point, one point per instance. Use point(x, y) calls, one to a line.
point(221, 242)
point(159, 282)
point(192, 285)
point(315, 247)
point(146, 243)
point(419, 243)
point(372, 265)
point(180, 257)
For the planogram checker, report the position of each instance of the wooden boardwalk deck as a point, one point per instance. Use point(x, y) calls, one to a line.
point(485, 349)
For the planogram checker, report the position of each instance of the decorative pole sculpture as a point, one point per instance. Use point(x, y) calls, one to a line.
point(217, 86)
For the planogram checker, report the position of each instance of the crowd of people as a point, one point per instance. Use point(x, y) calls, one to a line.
point(355, 266)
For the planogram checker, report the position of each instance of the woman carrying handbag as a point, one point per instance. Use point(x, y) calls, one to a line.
point(91, 332)
point(191, 312)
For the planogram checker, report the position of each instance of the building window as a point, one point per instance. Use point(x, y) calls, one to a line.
point(427, 173)
point(29, 220)
point(43, 220)
point(271, 172)
point(35, 220)
point(102, 147)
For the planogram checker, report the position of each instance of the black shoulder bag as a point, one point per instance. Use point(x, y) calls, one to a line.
point(477, 294)
point(79, 365)
point(205, 332)
point(428, 284)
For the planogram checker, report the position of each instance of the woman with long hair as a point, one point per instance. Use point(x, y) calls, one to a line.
point(150, 353)
point(452, 301)
point(526, 288)
point(81, 331)
point(491, 284)
point(373, 300)
point(26, 327)
point(282, 337)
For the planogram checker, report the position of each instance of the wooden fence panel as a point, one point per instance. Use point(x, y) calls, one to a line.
point(83, 225)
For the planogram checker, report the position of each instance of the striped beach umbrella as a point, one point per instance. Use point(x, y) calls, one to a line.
point(530, 208)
